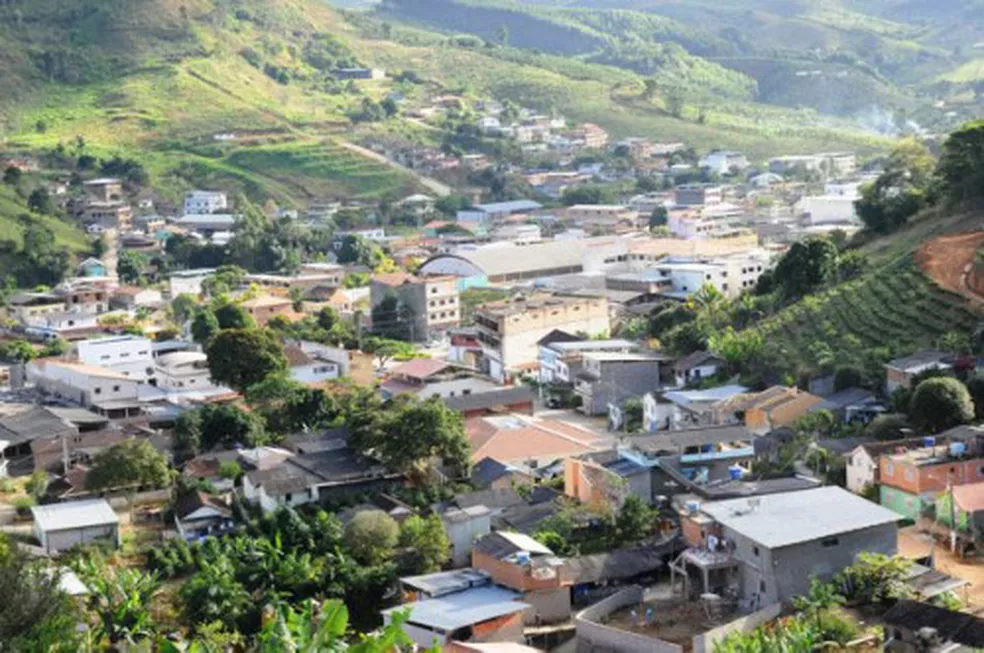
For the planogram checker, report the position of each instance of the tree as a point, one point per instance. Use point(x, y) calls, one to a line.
point(12, 175)
point(371, 537)
point(890, 426)
point(213, 594)
point(900, 191)
point(233, 316)
point(204, 326)
point(183, 307)
point(941, 403)
point(130, 463)
point(130, 267)
point(39, 201)
point(36, 615)
point(960, 170)
point(308, 629)
point(737, 347)
point(226, 279)
point(288, 406)
point(240, 358)
point(426, 543)
point(848, 376)
point(820, 598)
point(658, 217)
point(384, 349)
point(975, 386)
point(408, 433)
point(806, 267)
point(635, 520)
point(121, 597)
point(588, 194)
point(215, 425)
point(874, 578)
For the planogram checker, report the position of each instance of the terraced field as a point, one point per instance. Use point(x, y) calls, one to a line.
point(893, 311)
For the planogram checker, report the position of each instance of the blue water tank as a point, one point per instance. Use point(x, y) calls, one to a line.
point(958, 448)
point(736, 471)
point(929, 441)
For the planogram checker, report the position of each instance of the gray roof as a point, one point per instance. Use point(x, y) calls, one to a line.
point(791, 518)
point(488, 470)
point(849, 397)
point(695, 359)
point(919, 359)
point(73, 514)
point(510, 206)
point(955, 627)
point(525, 518)
point(730, 489)
point(321, 468)
point(461, 609)
point(486, 400)
point(33, 423)
point(614, 565)
point(446, 582)
point(492, 498)
point(676, 440)
point(844, 446)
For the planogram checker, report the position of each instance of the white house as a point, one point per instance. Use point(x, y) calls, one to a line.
point(204, 201)
point(311, 362)
point(183, 370)
point(827, 209)
point(130, 355)
point(87, 385)
point(724, 162)
point(61, 526)
point(683, 408)
point(464, 526)
point(134, 297)
point(696, 366)
point(64, 324)
point(188, 281)
point(207, 222)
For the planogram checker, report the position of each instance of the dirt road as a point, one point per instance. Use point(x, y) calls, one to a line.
point(949, 261)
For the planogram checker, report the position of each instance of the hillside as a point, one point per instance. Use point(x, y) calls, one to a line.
point(158, 80)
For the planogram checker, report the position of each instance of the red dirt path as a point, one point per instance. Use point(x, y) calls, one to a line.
point(950, 262)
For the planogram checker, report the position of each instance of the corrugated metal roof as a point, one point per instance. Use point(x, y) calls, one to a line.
point(74, 514)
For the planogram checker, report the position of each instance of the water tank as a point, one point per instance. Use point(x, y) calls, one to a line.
point(735, 472)
point(693, 506)
point(958, 448)
point(929, 441)
point(523, 557)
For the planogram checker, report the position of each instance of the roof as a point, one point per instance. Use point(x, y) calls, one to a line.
point(919, 359)
point(296, 357)
point(696, 359)
point(517, 438)
point(503, 544)
point(488, 470)
point(32, 423)
point(849, 397)
point(73, 514)
point(789, 518)
point(509, 207)
point(970, 497)
point(331, 467)
point(492, 399)
point(558, 336)
point(462, 609)
point(955, 627)
point(844, 446)
point(499, 259)
point(226, 219)
point(614, 565)
point(686, 397)
point(675, 440)
point(446, 582)
point(420, 368)
point(492, 498)
point(265, 301)
point(82, 368)
point(181, 358)
point(525, 518)
point(192, 501)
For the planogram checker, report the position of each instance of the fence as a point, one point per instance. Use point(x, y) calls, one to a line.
point(595, 637)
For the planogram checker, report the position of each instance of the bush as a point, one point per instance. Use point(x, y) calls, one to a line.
point(888, 427)
point(838, 627)
point(23, 506)
point(941, 403)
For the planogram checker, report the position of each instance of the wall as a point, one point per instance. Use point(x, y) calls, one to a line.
point(64, 540)
point(593, 636)
point(549, 606)
point(705, 642)
point(861, 471)
point(905, 503)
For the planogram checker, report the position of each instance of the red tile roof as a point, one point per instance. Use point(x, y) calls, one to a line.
point(420, 368)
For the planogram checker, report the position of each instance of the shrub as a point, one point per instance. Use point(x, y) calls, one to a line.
point(941, 403)
point(23, 506)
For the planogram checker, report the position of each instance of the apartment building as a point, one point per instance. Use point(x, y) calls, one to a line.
point(432, 301)
point(130, 355)
point(510, 330)
point(560, 361)
point(609, 379)
point(201, 202)
point(698, 194)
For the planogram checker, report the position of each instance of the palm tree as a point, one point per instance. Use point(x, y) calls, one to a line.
point(121, 598)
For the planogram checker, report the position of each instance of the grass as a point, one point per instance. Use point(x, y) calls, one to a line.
point(970, 72)
point(12, 206)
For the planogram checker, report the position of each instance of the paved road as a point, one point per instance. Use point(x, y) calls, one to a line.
point(438, 188)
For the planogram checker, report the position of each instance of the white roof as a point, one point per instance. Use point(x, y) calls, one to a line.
point(524, 542)
point(590, 345)
point(791, 518)
point(73, 514)
point(460, 609)
point(207, 218)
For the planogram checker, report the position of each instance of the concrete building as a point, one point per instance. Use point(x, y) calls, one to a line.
point(525, 441)
point(104, 189)
point(86, 385)
point(130, 355)
point(695, 367)
point(207, 223)
point(698, 194)
point(771, 546)
point(487, 213)
point(427, 305)
point(181, 282)
point(266, 307)
point(560, 361)
point(464, 526)
point(203, 202)
point(510, 330)
point(311, 362)
point(61, 526)
point(900, 372)
point(608, 379)
point(723, 162)
point(604, 480)
point(183, 370)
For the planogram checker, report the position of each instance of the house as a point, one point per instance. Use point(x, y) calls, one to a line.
point(197, 516)
point(489, 473)
point(59, 450)
point(70, 325)
point(316, 476)
point(207, 223)
point(605, 479)
point(589, 135)
point(915, 627)
point(495, 400)
point(208, 467)
point(463, 605)
point(61, 526)
point(608, 379)
point(862, 466)
point(463, 526)
point(963, 505)
point(911, 481)
point(522, 564)
point(767, 410)
point(359, 73)
point(22, 424)
point(724, 163)
point(697, 366)
point(181, 282)
point(92, 267)
point(560, 356)
point(426, 377)
point(312, 362)
point(132, 356)
point(425, 305)
point(132, 297)
point(266, 307)
point(510, 330)
point(487, 213)
point(527, 441)
point(182, 370)
point(682, 408)
point(28, 307)
point(86, 295)
point(104, 189)
point(852, 405)
point(698, 194)
point(900, 372)
point(203, 202)
point(87, 385)
point(305, 281)
point(770, 547)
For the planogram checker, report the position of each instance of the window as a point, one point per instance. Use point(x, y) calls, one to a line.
point(909, 475)
point(755, 550)
point(116, 388)
point(762, 586)
point(97, 391)
point(104, 357)
point(288, 497)
point(889, 469)
point(124, 354)
point(829, 542)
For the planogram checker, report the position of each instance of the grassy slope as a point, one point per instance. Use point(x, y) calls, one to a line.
point(12, 206)
point(894, 306)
